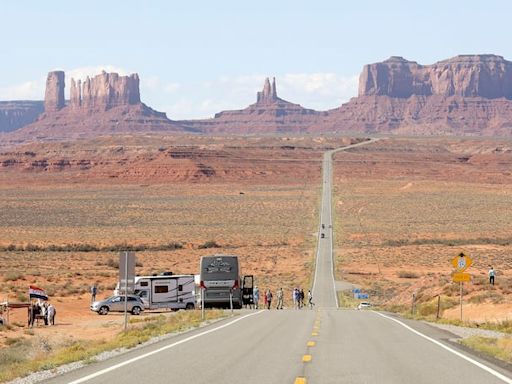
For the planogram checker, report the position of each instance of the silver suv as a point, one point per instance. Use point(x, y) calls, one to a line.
point(116, 304)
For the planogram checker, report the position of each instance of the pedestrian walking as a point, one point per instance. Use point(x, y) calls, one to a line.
point(44, 312)
point(310, 299)
point(94, 291)
point(269, 298)
point(279, 298)
point(296, 295)
point(301, 298)
point(51, 314)
point(492, 273)
point(256, 296)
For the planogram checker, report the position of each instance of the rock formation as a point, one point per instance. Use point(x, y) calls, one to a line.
point(464, 95)
point(487, 76)
point(269, 114)
point(54, 95)
point(105, 104)
point(16, 114)
point(105, 91)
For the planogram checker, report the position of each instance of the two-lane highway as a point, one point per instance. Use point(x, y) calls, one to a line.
point(321, 346)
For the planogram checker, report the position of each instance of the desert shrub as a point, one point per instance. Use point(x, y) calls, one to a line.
point(13, 276)
point(209, 244)
point(21, 296)
point(32, 248)
point(112, 263)
point(407, 275)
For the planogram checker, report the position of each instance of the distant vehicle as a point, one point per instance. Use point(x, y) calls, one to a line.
point(166, 292)
point(363, 305)
point(116, 304)
point(323, 226)
point(322, 235)
point(220, 277)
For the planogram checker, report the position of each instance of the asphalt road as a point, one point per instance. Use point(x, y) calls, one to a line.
point(324, 345)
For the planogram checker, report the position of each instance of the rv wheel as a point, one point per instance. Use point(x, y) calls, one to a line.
point(189, 306)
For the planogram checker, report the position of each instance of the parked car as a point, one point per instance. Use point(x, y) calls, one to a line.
point(116, 304)
point(363, 305)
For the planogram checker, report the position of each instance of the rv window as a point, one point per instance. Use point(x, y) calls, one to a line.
point(161, 289)
point(180, 288)
point(144, 283)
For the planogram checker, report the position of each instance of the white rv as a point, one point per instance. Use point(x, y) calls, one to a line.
point(166, 291)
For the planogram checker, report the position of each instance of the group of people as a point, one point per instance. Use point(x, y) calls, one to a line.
point(45, 311)
point(297, 296)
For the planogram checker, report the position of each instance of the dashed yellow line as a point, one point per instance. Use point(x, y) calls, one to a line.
point(306, 358)
point(314, 333)
point(311, 343)
point(301, 380)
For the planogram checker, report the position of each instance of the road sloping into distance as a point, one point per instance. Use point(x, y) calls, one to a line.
point(322, 346)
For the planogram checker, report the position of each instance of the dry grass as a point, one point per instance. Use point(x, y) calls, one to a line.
point(26, 355)
point(406, 207)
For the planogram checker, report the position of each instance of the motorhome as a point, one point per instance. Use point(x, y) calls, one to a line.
point(220, 281)
point(166, 291)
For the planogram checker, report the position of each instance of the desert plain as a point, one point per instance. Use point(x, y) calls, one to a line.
point(404, 207)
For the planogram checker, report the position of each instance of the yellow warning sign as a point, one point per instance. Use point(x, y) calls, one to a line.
point(461, 262)
point(459, 277)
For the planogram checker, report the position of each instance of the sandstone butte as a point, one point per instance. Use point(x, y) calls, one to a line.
point(102, 105)
point(270, 114)
point(464, 95)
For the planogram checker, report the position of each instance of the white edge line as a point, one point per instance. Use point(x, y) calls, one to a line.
point(457, 353)
point(132, 360)
point(331, 235)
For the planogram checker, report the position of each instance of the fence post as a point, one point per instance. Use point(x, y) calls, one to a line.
point(438, 306)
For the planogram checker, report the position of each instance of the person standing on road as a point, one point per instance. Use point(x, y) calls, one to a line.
point(279, 298)
point(269, 298)
point(492, 273)
point(296, 295)
point(301, 298)
point(94, 290)
point(256, 296)
point(310, 299)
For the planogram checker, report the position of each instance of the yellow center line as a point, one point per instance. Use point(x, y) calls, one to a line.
point(311, 343)
point(314, 333)
point(300, 380)
point(306, 358)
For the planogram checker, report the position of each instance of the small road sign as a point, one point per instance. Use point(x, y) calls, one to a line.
point(461, 262)
point(461, 277)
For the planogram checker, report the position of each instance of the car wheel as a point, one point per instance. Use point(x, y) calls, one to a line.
point(103, 310)
point(136, 310)
point(189, 306)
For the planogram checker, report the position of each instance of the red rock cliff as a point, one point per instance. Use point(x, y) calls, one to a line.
point(487, 76)
point(105, 91)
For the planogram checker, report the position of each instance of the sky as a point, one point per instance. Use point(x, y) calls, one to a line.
point(196, 58)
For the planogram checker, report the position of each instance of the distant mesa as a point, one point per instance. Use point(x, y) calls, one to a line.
point(102, 105)
point(17, 114)
point(269, 114)
point(464, 95)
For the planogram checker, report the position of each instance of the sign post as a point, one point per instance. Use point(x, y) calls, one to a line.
point(126, 278)
point(461, 263)
point(202, 303)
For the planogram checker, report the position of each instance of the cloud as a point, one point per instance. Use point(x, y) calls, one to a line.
point(29, 90)
point(320, 91)
point(81, 73)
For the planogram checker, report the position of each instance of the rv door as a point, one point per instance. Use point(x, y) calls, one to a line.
point(247, 290)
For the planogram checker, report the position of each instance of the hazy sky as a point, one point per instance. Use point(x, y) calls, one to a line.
point(196, 58)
